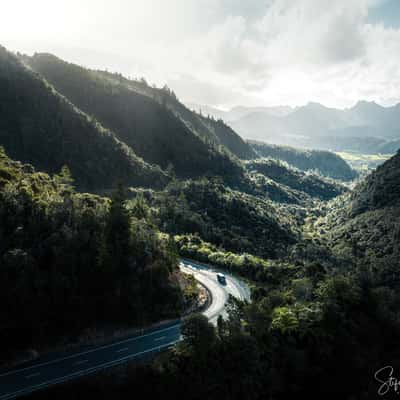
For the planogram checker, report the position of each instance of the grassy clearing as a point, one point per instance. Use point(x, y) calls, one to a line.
point(364, 162)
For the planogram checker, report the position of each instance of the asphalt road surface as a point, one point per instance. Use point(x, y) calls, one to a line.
point(207, 275)
point(61, 368)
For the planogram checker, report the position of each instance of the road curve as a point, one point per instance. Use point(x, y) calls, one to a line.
point(207, 275)
point(56, 369)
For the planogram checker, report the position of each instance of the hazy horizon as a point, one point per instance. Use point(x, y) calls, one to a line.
point(230, 108)
point(226, 53)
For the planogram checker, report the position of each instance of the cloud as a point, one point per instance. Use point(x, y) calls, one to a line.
point(224, 51)
point(297, 51)
point(190, 89)
point(233, 50)
point(313, 31)
point(249, 9)
point(295, 40)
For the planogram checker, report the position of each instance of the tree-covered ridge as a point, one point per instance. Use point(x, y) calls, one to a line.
point(256, 269)
point(325, 275)
point(70, 261)
point(39, 126)
point(148, 124)
point(380, 189)
point(228, 218)
point(311, 184)
point(309, 332)
point(365, 223)
point(324, 162)
point(211, 130)
point(229, 138)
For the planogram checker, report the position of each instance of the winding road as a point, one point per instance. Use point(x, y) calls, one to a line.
point(206, 275)
point(59, 368)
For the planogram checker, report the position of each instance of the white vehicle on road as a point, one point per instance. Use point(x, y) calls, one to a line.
point(221, 278)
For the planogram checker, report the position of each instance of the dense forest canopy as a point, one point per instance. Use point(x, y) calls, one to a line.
point(39, 126)
point(309, 183)
point(319, 325)
point(326, 163)
point(149, 123)
point(322, 259)
point(71, 261)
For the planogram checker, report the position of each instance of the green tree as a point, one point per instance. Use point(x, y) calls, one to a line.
point(65, 179)
point(118, 233)
point(140, 209)
point(198, 334)
point(170, 170)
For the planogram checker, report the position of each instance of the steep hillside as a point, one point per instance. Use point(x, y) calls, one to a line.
point(233, 220)
point(228, 138)
point(310, 184)
point(380, 189)
point(325, 162)
point(140, 116)
point(211, 129)
point(39, 126)
point(72, 262)
point(366, 224)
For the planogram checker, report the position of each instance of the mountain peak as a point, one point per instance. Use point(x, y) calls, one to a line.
point(314, 106)
point(366, 105)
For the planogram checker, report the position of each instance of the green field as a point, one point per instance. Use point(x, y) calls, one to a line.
point(364, 162)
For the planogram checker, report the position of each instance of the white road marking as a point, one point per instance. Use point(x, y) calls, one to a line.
point(207, 274)
point(122, 350)
point(89, 351)
point(81, 362)
point(32, 375)
point(160, 338)
point(84, 372)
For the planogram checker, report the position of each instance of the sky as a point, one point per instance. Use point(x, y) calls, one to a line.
point(224, 53)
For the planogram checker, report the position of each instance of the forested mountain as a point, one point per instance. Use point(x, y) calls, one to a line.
point(40, 126)
point(295, 179)
point(152, 248)
point(151, 121)
point(324, 162)
point(322, 316)
point(71, 261)
point(228, 138)
point(322, 261)
point(366, 223)
point(211, 129)
point(380, 189)
point(233, 220)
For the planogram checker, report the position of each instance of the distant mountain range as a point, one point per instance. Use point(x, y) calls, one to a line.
point(366, 128)
point(239, 112)
point(151, 121)
point(111, 130)
point(106, 128)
